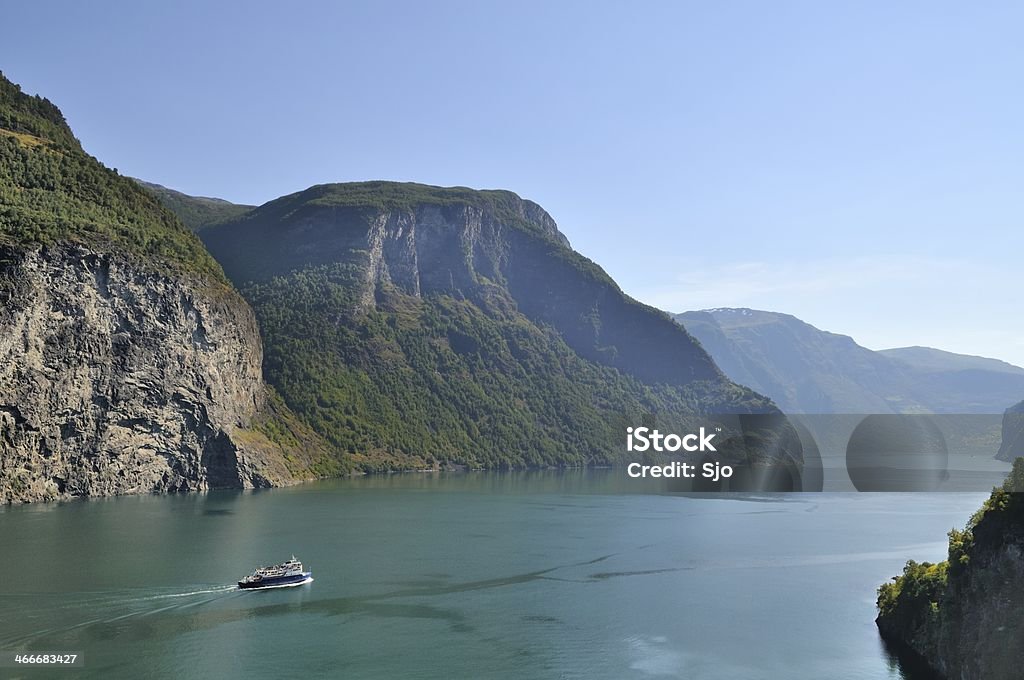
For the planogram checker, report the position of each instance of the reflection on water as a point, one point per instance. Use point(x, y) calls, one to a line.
point(908, 664)
point(478, 575)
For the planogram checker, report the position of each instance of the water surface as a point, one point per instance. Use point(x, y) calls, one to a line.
point(542, 575)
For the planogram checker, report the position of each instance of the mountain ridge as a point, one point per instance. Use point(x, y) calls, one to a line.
point(809, 370)
point(504, 346)
point(196, 212)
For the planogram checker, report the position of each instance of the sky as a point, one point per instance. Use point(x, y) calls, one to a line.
point(859, 165)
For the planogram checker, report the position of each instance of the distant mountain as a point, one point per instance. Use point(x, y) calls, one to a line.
point(807, 370)
point(195, 211)
point(416, 326)
point(931, 360)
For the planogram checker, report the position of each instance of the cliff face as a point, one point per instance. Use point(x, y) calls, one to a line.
point(115, 380)
point(486, 246)
point(1012, 445)
point(417, 325)
point(964, 617)
point(128, 364)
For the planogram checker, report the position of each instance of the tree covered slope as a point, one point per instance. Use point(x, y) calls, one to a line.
point(52, 191)
point(417, 325)
point(196, 212)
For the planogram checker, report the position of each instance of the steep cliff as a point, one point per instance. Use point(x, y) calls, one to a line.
point(127, 363)
point(965, 616)
point(419, 325)
point(1012, 445)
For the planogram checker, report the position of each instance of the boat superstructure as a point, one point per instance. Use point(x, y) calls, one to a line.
point(288, 573)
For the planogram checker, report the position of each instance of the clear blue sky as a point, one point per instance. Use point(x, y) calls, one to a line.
point(857, 164)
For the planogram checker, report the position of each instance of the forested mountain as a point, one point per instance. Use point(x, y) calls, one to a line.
point(128, 363)
point(195, 211)
point(416, 325)
point(930, 360)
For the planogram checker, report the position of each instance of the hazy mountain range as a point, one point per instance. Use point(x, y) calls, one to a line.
point(807, 370)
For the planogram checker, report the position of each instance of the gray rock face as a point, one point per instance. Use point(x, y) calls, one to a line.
point(1013, 434)
point(467, 250)
point(115, 380)
point(982, 636)
point(975, 630)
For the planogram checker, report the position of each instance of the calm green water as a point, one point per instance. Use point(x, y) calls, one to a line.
point(465, 576)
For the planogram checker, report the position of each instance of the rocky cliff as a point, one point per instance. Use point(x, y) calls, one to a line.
point(419, 326)
point(127, 363)
point(114, 380)
point(965, 617)
point(1012, 446)
point(422, 241)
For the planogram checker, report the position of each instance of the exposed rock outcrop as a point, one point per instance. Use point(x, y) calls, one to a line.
point(470, 244)
point(1012, 446)
point(965, 617)
point(116, 380)
point(420, 326)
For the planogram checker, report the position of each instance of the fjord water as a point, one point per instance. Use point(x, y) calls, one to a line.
point(542, 575)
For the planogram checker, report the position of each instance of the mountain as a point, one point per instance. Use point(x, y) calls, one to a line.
point(128, 363)
point(807, 370)
point(195, 211)
point(962, 616)
point(929, 360)
point(415, 325)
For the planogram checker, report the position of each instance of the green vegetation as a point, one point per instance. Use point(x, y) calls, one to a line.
point(424, 382)
point(51, 191)
point(917, 598)
point(381, 195)
point(416, 326)
point(33, 115)
point(303, 452)
point(374, 198)
point(196, 212)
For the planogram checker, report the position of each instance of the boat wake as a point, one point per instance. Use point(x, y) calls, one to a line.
point(191, 593)
point(111, 607)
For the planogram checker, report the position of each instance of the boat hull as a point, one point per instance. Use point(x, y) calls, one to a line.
point(277, 581)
